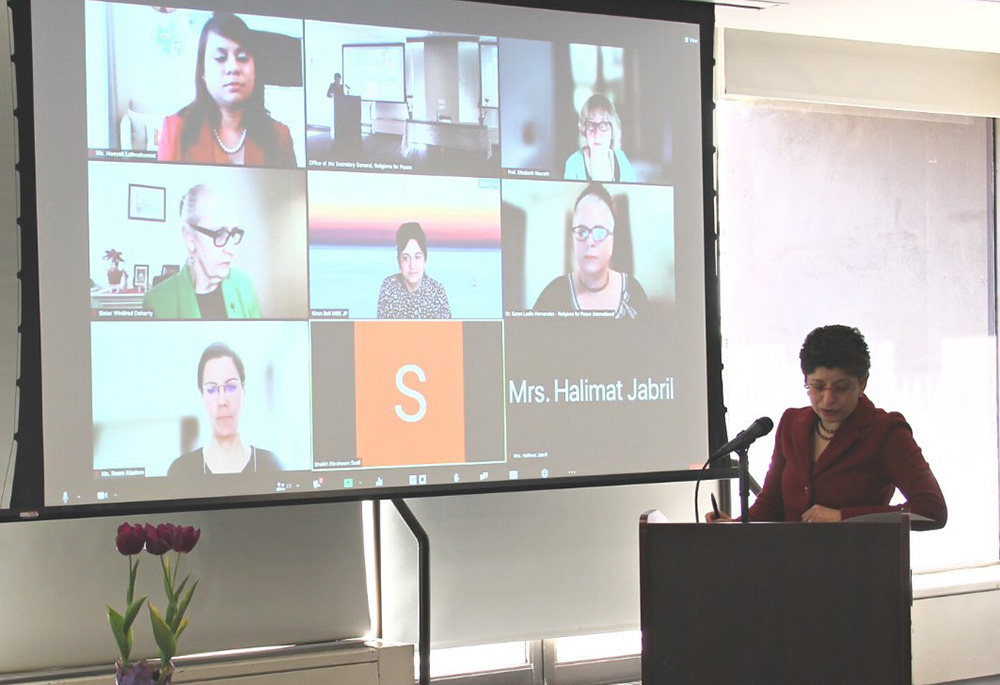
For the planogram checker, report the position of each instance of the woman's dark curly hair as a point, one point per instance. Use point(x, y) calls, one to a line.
point(835, 347)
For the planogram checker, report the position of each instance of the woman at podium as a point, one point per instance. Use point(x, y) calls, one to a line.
point(842, 456)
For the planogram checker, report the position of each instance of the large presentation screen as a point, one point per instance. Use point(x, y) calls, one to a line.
point(367, 247)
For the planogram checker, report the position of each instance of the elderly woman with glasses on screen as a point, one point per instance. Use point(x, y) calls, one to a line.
point(222, 384)
point(841, 456)
point(207, 287)
point(602, 158)
point(593, 285)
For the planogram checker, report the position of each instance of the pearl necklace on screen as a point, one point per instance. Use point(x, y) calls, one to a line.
point(230, 150)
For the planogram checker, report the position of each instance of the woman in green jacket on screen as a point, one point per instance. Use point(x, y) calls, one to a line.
point(207, 287)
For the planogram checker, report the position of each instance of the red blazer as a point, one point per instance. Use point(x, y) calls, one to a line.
point(872, 454)
point(206, 151)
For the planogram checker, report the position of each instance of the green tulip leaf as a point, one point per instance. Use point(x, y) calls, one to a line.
point(122, 636)
point(187, 600)
point(164, 637)
point(132, 611)
point(180, 628)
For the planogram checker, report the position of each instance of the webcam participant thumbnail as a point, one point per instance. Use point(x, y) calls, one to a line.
point(382, 98)
point(604, 112)
point(601, 158)
point(410, 393)
point(222, 383)
point(207, 286)
point(412, 294)
point(593, 285)
point(204, 242)
point(194, 86)
point(227, 398)
point(612, 245)
point(363, 225)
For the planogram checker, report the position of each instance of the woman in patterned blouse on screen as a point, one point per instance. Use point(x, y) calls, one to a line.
point(411, 293)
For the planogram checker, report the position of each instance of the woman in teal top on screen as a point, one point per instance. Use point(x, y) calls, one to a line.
point(601, 159)
point(207, 287)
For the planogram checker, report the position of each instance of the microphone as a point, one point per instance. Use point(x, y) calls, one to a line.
point(744, 439)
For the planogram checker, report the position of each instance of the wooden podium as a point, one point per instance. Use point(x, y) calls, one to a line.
point(346, 126)
point(775, 602)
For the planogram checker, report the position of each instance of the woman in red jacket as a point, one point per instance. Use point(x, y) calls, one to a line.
point(226, 123)
point(843, 457)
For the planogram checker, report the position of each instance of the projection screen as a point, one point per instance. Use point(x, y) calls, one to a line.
point(341, 249)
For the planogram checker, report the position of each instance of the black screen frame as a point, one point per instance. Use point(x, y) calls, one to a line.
point(27, 491)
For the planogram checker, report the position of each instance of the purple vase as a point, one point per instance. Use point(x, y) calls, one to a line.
point(139, 673)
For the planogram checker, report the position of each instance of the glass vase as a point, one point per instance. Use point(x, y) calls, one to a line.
point(140, 673)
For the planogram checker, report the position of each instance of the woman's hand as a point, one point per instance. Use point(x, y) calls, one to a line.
point(721, 517)
point(820, 514)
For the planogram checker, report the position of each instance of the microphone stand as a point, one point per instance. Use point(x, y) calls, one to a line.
point(744, 485)
point(754, 485)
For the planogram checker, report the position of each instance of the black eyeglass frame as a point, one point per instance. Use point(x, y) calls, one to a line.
point(221, 236)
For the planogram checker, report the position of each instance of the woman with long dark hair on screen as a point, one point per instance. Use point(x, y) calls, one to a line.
point(602, 158)
point(843, 457)
point(227, 122)
point(593, 285)
point(222, 384)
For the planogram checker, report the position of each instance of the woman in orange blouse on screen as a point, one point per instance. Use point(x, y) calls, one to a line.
point(227, 122)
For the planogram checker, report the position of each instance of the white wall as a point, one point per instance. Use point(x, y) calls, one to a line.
point(950, 625)
point(268, 576)
point(832, 71)
point(40, 577)
point(525, 566)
